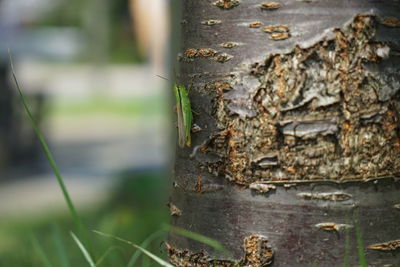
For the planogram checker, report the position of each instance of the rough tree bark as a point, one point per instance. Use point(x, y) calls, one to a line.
point(296, 142)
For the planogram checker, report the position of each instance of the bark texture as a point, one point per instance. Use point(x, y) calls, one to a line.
point(296, 143)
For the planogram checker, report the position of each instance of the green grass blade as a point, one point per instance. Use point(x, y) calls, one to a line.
point(104, 256)
point(198, 237)
point(346, 257)
point(50, 158)
point(59, 246)
point(144, 244)
point(83, 250)
point(40, 252)
point(146, 262)
point(360, 247)
point(160, 261)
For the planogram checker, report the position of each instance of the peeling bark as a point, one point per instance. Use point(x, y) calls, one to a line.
point(300, 131)
point(323, 111)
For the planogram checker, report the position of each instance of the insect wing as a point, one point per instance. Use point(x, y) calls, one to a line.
point(180, 117)
point(187, 114)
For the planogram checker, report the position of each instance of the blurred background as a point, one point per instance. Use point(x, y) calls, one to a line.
point(88, 71)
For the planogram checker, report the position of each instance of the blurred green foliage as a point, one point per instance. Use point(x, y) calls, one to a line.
point(66, 14)
point(98, 105)
point(136, 210)
point(122, 47)
point(137, 207)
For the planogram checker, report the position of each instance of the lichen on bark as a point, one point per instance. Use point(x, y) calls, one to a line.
point(326, 112)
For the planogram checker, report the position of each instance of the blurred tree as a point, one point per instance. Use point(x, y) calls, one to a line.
point(18, 145)
point(151, 27)
point(106, 24)
point(6, 114)
point(295, 148)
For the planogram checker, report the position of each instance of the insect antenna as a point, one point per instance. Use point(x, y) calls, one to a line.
point(159, 76)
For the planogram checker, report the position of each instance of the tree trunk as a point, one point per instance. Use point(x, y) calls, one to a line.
point(296, 144)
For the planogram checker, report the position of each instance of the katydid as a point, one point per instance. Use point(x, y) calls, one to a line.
point(184, 115)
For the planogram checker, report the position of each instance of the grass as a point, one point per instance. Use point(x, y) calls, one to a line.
point(197, 237)
point(42, 255)
point(144, 244)
point(158, 260)
point(40, 252)
point(50, 159)
point(82, 241)
point(360, 246)
point(102, 105)
point(127, 214)
point(346, 258)
point(59, 247)
point(84, 251)
point(135, 212)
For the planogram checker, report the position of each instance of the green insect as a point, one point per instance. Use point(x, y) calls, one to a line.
point(184, 114)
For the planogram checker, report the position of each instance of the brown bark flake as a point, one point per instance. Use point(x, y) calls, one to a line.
point(222, 57)
point(390, 245)
point(391, 22)
point(278, 36)
point(257, 253)
point(228, 44)
point(190, 52)
point(186, 258)
point(255, 24)
point(211, 22)
point(198, 188)
point(330, 226)
point(330, 196)
point(262, 188)
point(226, 4)
point(174, 210)
point(270, 5)
point(277, 32)
point(208, 53)
point(276, 28)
